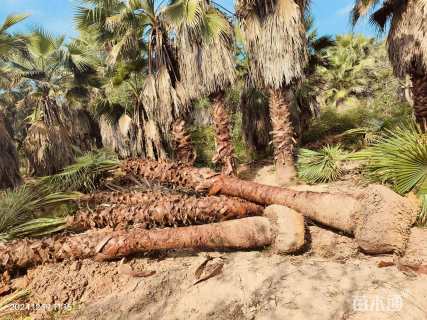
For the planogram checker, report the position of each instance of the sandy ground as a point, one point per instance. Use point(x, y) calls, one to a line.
point(330, 279)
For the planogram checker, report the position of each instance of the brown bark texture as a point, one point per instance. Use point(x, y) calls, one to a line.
point(105, 244)
point(183, 146)
point(157, 209)
point(283, 134)
point(337, 210)
point(224, 153)
point(419, 92)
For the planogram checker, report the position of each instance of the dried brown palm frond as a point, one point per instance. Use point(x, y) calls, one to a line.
point(83, 129)
point(406, 39)
point(9, 163)
point(205, 51)
point(275, 40)
point(48, 148)
point(256, 122)
point(407, 42)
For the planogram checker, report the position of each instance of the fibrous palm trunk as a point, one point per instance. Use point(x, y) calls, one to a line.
point(419, 92)
point(9, 163)
point(283, 134)
point(105, 244)
point(183, 146)
point(156, 209)
point(224, 153)
point(358, 213)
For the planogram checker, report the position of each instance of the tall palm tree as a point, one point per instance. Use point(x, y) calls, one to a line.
point(407, 43)
point(9, 163)
point(205, 41)
point(49, 70)
point(276, 43)
point(137, 31)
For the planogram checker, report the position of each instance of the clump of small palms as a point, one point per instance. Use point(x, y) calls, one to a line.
point(399, 157)
point(321, 166)
point(40, 198)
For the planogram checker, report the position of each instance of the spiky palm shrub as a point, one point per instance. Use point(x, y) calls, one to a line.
point(321, 166)
point(399, 158)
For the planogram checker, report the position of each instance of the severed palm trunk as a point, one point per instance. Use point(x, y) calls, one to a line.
point(379, 218)
point(105, 244)
point(183, 145)
point(283, 134)
point(224, 154)
point(155, 209)
point(9, 163)
point(419, 92)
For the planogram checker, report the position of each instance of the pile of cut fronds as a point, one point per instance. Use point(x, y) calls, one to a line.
point(321, 166)
point(26, 211)
point(399, 158)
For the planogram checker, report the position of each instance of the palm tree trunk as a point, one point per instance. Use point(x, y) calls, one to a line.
point(156, 209)
point(9, 162)
point(283, 135)
point(184, 149)
point(361, 213)
point(105, 244)
point(419, 91)
point(224, 145)
point(337, 210)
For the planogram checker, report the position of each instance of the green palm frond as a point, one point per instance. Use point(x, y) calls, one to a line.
point(35, 228)
point(399, 158)
point(84, 174)
point(321, 166)
point(20, 205)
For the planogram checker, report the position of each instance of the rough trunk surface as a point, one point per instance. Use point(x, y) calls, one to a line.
point(315, 205)
point(9, 163)
point(362, 213)
point(105, 244)
point(183, 146)
point(283, 134)
point(224, 153)
point(419, 92)
point(155, 209)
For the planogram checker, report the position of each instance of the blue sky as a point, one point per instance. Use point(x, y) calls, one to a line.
point(331, 16)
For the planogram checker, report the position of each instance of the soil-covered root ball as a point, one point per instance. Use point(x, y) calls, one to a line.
point(288, 228)
point(385, 221)
point(416, 250)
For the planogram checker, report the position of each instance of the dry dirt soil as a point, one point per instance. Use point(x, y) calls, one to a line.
point(330, 279)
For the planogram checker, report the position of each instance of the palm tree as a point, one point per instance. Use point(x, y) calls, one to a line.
point(9, 44)
point(276, 44)
point(136, 33)
point(205, 41)
point(348, 72)
point(407, 44)
point(48, 71)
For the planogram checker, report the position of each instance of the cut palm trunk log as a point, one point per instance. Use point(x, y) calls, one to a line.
point(157, 209)
point(105, 244)
point(379, 218)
